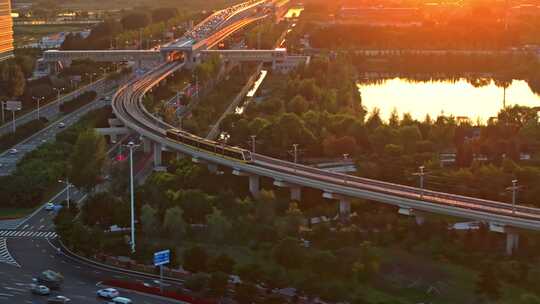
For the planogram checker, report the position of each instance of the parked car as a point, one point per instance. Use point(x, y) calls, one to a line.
point(121, 300)
point(108, 293)
point(58, 300)
point(49, 206)
point(40, 290)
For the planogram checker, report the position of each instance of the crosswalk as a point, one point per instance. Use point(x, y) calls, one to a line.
point(9, 224)
point(27, 234)
point(5, 256)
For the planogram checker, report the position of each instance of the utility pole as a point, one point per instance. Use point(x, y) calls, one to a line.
point(253, 142)
point(131, 145)
point(514, 188)
point(345, 159)
point(421, 174)
point(68, 185)
point(295, 153)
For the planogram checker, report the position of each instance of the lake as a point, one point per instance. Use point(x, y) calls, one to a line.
point(451, 97)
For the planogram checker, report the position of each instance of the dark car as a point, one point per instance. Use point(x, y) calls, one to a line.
point(58, 300)
point(51, 279)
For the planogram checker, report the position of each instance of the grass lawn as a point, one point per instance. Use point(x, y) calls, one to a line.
point(13, 213)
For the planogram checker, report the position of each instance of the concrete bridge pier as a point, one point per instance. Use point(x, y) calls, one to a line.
point(512, 236)
point(213, 168)
point(254, 185)
point(296, 191)
point(158, 149)
point(147, 145)
point(344, 205)
point(512, 242)
point(254, 181)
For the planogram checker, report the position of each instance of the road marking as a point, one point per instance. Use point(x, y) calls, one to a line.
point(28, 234)
point(5, 256)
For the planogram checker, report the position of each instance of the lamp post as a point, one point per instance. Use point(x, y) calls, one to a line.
point(295, 153)
point(68, 185)
point(131, 145)
point(514, 188)
point(345, 159)
point(421, 174)
point(38, 100)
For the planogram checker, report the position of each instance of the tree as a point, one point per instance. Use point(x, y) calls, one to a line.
point(135, 20)
point(195, 259)
point(245, 293)
point(149, 220)
point(197, 282)
point(13, 75)
point(222, 263)
point(173, 222)
point(218, 283)
point(488, 284)
point(218, 225)
point(298, 105)
point(87, 160)
point(288, 253)
point(163, 14)
point(265, 210)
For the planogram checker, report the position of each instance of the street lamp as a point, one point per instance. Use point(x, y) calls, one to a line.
point(131, 145)
point(514, 189)
point(295, 153)
point(38, 99)
point(421, 174)
point(58, 91)
point(345, 158)
point(68, 185)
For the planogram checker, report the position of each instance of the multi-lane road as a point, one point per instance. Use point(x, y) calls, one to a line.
point(29, 246)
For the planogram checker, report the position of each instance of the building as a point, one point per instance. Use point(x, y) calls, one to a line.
point(6, 30)
point(290, 62)
point(55, 41)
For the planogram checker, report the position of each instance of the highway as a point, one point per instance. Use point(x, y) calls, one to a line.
point(9, 160)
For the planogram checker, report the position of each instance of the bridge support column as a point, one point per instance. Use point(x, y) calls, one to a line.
point(296, 191)
point(254, 185)
point(147, 145)
point(157, 154)
point(344, 210)
point(344, 205)
point(213, 168)
point(512, 242)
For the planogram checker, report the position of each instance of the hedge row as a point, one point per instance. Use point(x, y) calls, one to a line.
point(11, 139)
point(76, 103)
point(155, 291)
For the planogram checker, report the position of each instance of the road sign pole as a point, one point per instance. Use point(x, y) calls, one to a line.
point(161, 278)
point(14, 127)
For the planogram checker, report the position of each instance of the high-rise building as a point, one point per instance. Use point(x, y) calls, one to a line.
point(6, 30)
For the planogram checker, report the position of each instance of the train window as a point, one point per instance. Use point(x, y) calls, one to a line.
point(247, 156)
point(207, 146)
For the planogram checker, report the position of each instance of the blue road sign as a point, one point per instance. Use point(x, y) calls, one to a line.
point(162, 257)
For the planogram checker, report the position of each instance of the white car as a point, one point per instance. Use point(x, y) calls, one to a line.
point(49, 206)
point(108, 293)
point(61, 125)
point(13, 151)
